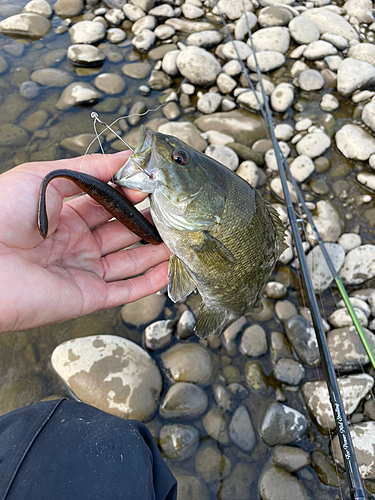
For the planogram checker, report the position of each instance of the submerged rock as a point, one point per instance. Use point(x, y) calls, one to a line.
point(282, 425)
point(32, 25)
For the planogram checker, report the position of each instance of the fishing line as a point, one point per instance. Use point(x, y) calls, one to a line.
point(351, 466)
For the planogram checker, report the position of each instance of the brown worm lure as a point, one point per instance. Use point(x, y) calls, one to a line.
point(113, 201)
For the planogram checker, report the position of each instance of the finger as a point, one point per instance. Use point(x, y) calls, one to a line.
point(128, 263)
point(93, 213)
point(122, 292)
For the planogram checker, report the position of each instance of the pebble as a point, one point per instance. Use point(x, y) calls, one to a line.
point(215, 425)
point(158, 334)
point(186, 132)
point(277, 484)
point(133, 12)
point(163, 31)
point(329, 103)
point(318, 50)
point(302, 167)
point(159, 80)
point(178, 441)
point(183, 400)
point(277, 188)
point(68, 8)
point(363, 52)
point(145, 5)
point(162, 12)
point(282, 97)
point(285, 309)
point(143, 311)
point(360, 9)
point(241, 430)
point(52, 77)
point(204, 39)
point(363, 435)
point(79, 143)
point(212, 465)
point(283, 132)
point(116, 35)
point(348, 241)
point(190, 486)
point(274, 16)
point(29, 89)
point(330, 22)
point(137, 70)
point(87, 32)
point(189, 26)
point(85, 55)
point(368, 115)
point(291, 458)
point(192, 11)
point(275, 290)
point(242, 24)
point(35, 121)
point(254, 341)
point(232, 9)
point(209, 103)
point(302, 337)
point(187, 363)
point(314, 144)
point(77, 93)
point(223, 155)
point(310, 79)
point(346, 349)
point(275, 39)
point(249, 171)
point(148, 22)
point(198, 65)
point(353, 389)
point(12, 135)
point(110, 373)
point(29, 25)
point(267, 61)
point(289, 371)
point(354, 142)
point(321, 276)
point(303, 30)
point(236, 50)
point(341, 317)
point(144, 41)
point(353, 75)
point(40, 7)
point(281, 424)
point(327, 222)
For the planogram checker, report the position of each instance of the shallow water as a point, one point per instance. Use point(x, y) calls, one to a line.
point(25, 368)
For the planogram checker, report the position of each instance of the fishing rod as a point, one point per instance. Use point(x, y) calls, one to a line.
point(351, 466)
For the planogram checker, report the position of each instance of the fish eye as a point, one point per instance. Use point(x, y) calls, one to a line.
point(180, 157)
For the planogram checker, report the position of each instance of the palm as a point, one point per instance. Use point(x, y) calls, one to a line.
point(76, 270)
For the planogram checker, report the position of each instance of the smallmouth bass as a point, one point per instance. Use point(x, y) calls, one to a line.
point(224, 237)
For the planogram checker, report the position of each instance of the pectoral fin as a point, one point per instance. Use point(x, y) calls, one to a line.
point(209, 321)
point(180, 281)
point(211, 251)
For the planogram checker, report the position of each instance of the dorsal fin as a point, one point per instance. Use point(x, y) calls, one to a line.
point(279, 226)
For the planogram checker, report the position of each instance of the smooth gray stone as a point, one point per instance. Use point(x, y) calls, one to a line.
point(302, 337)
point(282, 425)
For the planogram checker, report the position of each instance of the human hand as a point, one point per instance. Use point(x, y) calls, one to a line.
point(76, 270)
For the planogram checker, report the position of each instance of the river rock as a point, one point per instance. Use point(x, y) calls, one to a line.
point(40, 7)
point(236, 50)
point(318, 50)
point(241, 430)
point(68, 8)
point(367, 180)
point(223, 155)
point(215, 425)
point(363, 435)
point(363, 52)
point(77, 93)
point(250, 99)
point(353, 389)
point(29, 90)
point(330, 22)
point(12, 135)
point(52, 77)
point(291, 458)
point(204, 39)
point(249, 171)
point(360, 9)
point(189, 26)
point(341, 317)
point(162, 12)
point(282, 425)
point(232, 9)
point(289, 371)
point(368, 115)
point(346, 349)
point(158, 334)
point(274, 16)
point(190, 486)
point(143, 311)
point(353, 75)
point(243, 126)
point(133, 12)
point(183, 400)
point(211, 464)
point(144, 41)
point(32, 25)
point(178, 441)
point(275, 39)
point(354, 142)
point(185, 131)
point(303, 30)
point(148, 22)
point(277, 484)
point(302, 167)
point(319, 271)
point(137, 70)
point(187, 363)
point(191, 11)
point(185, 325)
point(267, 61)
point(209, 103)
point(87, 32)
point(348, 241)
point(302, 337)
point(310, 79)
point(79, 143)
point(254, 341)
point(110, 373)
point(329, 103)
point(198, 66)
point(359, 265)
point(282, 97)
point(241, 27)
point(327, 221)
point(85, 55)
point(145, 5)
point(116, 35)
point(313, 144)
point(163, 31)
point(225, 83)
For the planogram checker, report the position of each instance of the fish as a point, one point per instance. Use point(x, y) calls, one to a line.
point(224, 238)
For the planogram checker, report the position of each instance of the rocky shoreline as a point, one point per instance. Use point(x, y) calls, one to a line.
point(227, 413)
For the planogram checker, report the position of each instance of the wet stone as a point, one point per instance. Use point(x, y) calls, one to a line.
point(282, 97)
point(138, 108)
point(143, 311)
point(116, 35)
point(302, 167)
point(148, 22)
point(209, 103)
point(204, 39)
point(249, 171)
point(198, 66)
point(285, 309)
point(85, 55)
point(183, 400)
point(12, 135)
point(363, 435)
point(313, 144)
point(256, 379)
point(79, 143)
point(353, 75)
point(326, 471)
point(353, 389)
point(303, 30)
point(138, 70)
point(52, 77)
point(178, 441)
point(327, 221)
point(211, 464)
point(159, 52)
point(282, 425)
point(190, 486)
point(302, 337)
point(346, 349)
point(359, 265)
point(133, 12)
point(277, 484)
point(341, 317)
point(158, 334)
point(226, 83)
point(185, 131)
point(215, 425)
point(223, 155)
point(185, 325)
point(254, 341)
point(110, 373)
point(241, 430)
point(187, 363)
point(310, 79)
point(223, 398)
point(289, 371)
point(144, 41)
point(35, 121)
point(40, 7)
point(87, 32)
point(354, 142)
point(29, 90)
point(25, 24)
point(291, 458)
point(279, 346)
point(275, 38)
point(77, 93)
point(68, 8)
point(163, 31)
point(110, 83)
point(319, 271)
